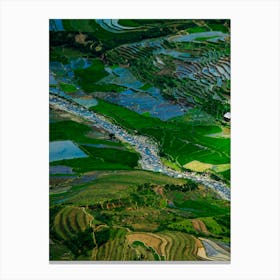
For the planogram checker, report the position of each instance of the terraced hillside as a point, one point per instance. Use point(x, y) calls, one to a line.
point(139, 140)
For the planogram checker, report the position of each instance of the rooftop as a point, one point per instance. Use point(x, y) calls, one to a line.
point(227, 115)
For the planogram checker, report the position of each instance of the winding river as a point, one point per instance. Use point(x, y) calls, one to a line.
point(146, 147)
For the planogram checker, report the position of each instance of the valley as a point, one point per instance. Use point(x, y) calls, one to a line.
point(139, 142)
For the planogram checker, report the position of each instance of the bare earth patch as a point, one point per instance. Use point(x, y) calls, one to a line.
point(225, 133)
point(200, 250)
point(149, 239)
point(200, 226)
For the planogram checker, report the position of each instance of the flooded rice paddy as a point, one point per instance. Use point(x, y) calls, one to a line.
point(133, 97)
point(194, 36)
point(61, 169)
point(60, 150)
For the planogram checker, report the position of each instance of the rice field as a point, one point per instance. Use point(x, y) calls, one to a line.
point(158, 79)
point(198, 166)
point(60, 150)
point(169, 246)
point(70, 221)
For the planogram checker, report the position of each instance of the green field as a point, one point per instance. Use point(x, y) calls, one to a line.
point(205, 38)
point(198, 29)
point(117, 183)
point(129, 22)
point(68, 88)
point(115, 156)
point(91, 87)
point(63, 54)
point(107, 200)
point(172, 134)
point(146, 86)
point(158, 78)
point(70, 221)
point(78, 132)
point(218, 27)
point(90, 75)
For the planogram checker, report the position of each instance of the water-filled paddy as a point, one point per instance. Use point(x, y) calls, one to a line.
point(60, 150)
point(122, 77)
point(112, 25)
point(52, 80)
point(56, 25)
point(61, 169)
point(142, 102)
point(87, 102)
point(192, 37)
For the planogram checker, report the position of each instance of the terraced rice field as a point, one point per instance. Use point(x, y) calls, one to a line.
point(112, 185)
point(71, 220)
point(165, 246)
point(169, 245)
point(112, 25)
point(215, 252)
point(159, 90)
point(199, 226)
point(116, 249)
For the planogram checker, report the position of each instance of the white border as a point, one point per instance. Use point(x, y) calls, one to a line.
point(24, 138)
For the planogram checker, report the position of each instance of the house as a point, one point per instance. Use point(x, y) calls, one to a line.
point(227, 116)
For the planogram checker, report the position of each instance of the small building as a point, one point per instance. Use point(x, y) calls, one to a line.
point(227, 116)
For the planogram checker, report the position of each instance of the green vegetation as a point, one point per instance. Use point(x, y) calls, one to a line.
point(68, 130)
point(95, 33)
point(113, 156)
point(78, 25)
point(69, 221)
point(81, 244)
point(146, 114)
point(99, 158)
point(146, 86)
point(204, 208)
point(182, 246)
point(205, 38)
point(226, 174)
point(68, 88)
point(147, 249)
point(128, 22)
point(109, 196)
point(110, 209)
point(218, 27)
point(87, 76)
point(185, 226)
point(58, 56)
point(112, 186)
point(171, 135)
point(70, 227)
point(60, 252)
point(198, 29)
point(78, 132)
point(81, 165)
point(103, 88)
point(214, 228)
point(116, 247)
point(219, 225)
point(64, 54)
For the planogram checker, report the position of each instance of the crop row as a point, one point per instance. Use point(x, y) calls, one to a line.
point(70, 221)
